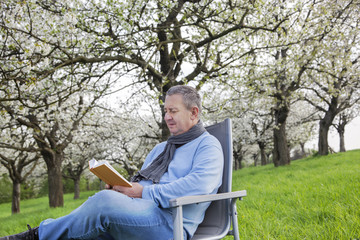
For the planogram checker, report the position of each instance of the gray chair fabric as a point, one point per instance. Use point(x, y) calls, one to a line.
point(222, 211)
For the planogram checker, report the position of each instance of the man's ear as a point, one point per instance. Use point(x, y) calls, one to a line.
point(194, 113)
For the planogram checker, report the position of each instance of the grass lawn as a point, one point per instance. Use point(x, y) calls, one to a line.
point(33, 211)
point(313, 198)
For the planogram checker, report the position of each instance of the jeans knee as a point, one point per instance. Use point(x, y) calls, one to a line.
point(100, 201)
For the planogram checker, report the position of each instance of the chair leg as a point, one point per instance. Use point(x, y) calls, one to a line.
point(234, 219)
point(178, 223)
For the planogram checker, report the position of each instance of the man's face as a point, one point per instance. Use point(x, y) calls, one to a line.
point(177, 117)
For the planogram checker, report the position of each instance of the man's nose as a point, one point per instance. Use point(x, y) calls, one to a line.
point(167, 116)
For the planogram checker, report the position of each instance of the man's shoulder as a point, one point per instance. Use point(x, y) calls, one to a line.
point(160, 145)
point(207, 139)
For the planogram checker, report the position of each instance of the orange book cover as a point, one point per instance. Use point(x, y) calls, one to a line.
point(107, 173)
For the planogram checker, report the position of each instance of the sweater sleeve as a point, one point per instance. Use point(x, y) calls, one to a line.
point(204, 177)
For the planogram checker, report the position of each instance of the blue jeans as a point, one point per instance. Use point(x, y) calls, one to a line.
point(111, 215)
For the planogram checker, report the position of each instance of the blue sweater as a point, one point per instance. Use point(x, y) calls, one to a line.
point(195, 169)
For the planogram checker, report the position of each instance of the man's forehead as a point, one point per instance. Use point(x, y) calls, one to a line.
point(174, 99)
point(173, 105)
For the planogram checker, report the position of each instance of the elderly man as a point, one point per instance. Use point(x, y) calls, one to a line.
point(189, 163)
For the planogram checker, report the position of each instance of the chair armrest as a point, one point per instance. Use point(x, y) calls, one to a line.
point(206, 198)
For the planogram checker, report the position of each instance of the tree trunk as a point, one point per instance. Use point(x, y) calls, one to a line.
point(77, 188)
point(341, 130)
point(237, 163)
point(303, 152)
point(238, 156)
point(342, 140)
point(101, 185)
point(262, 153)
point(323, 138)
point(56, 189)
point(281, 154)
point(87, 184)
point(255, 157)
point(325, 124)
point(15, 208)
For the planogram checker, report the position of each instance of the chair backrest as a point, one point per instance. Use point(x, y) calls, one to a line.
point(217, 220)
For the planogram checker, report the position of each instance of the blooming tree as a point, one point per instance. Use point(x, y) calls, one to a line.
point(162, 43)
point(18, 155)
point(280, 68)
point(332, 81)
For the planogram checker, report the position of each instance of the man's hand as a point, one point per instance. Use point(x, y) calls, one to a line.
point(135, 191)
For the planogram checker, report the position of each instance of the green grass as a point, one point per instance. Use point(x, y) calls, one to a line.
point(313, 198)
point(33, 211)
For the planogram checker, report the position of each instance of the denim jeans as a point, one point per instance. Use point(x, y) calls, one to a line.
point(111, 215)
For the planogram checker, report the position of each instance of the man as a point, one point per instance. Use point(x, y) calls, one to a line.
point(189, 163)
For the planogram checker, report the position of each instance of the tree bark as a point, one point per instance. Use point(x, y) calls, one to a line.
point(303, 152)
point(15, 207)
point(281, 151)
point(87, 184)
point(281, 154)
point(262, 153)
point(237, 160)
point(323, 138)
point(56, 189)
point(324, 127)
point(19, 170)
point(342, 139)
point(238, 155)
point(255, 157)
point(77, 188)
point(341, 130)
point(74, 173)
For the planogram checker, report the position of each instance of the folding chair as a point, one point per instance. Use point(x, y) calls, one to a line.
point(222, 210)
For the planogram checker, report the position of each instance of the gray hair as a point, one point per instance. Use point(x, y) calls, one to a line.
point(191, 97)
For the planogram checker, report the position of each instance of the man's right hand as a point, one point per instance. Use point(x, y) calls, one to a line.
point(134, 192)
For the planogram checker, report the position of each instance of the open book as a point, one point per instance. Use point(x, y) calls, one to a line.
point(107, 173)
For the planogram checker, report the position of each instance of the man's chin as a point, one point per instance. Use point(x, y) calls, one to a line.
point(174, 132)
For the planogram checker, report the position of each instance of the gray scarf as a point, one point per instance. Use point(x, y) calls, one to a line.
point(161, 163)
